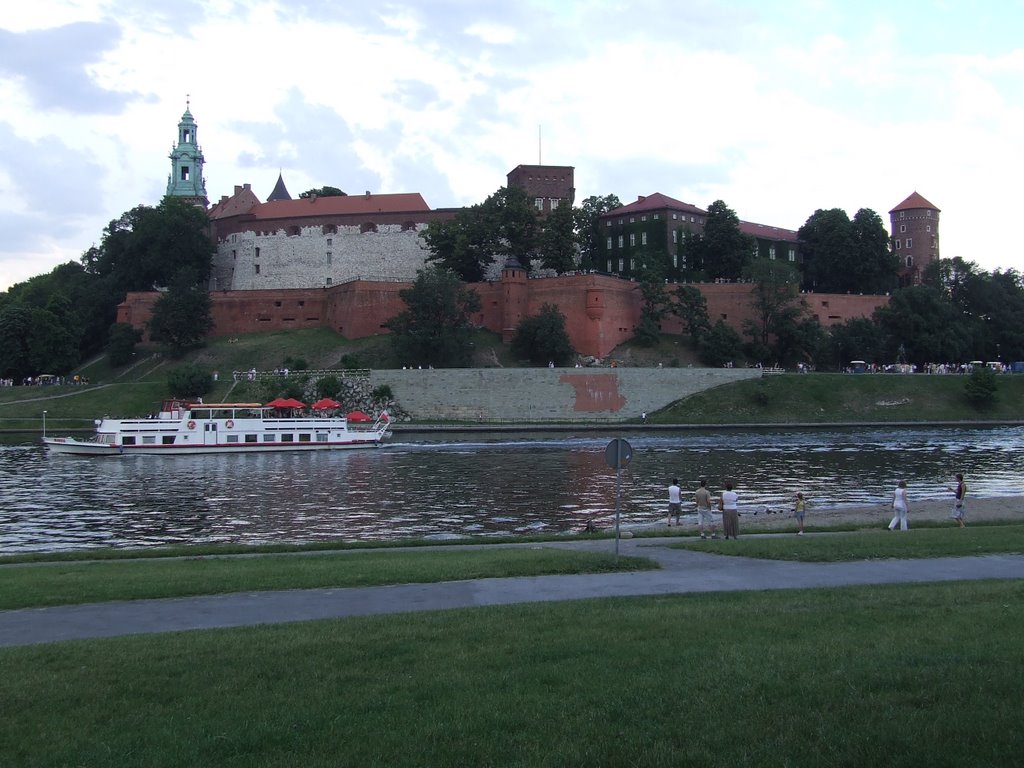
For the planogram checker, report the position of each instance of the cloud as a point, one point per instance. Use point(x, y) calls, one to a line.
point(54, 66)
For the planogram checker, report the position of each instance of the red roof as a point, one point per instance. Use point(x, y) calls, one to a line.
point(766, 232)
point(655, 202)
point(913, 202)
point(366, 205)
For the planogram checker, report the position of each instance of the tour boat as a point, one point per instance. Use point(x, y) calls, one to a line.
point(182, 427)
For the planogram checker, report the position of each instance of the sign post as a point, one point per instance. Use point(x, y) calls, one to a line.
point(618, 455)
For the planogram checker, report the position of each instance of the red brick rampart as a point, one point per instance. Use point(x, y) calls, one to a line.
point(601, 312)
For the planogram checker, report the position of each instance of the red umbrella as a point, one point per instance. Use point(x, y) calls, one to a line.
point(358, 416)
point(326, 403)
point(282, 402)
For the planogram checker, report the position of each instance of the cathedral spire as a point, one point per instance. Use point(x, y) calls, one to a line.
point(186, 179)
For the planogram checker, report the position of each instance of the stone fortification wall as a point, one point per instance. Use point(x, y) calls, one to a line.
point(531, 395)
point(315, 256)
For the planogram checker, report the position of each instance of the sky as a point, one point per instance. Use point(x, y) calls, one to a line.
point(777, 108)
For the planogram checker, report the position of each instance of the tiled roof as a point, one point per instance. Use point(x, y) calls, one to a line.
point(766, 232)
point(912, 202)
point(655, 202)
point(339, 206)
point(280, 191)
point(243, 201)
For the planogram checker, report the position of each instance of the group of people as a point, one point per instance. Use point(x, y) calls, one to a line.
point(728, 505)
point(900, 505)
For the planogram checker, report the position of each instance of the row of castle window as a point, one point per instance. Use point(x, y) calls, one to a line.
point(656, 217)
point(928, 228)
point(538, 203)
point(910, 243)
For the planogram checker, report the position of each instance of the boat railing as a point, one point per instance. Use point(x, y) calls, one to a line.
point(319, 373)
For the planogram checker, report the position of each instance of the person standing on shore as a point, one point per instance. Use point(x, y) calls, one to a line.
point(899, 507)
point(705, 519)
point(798, 512)
point(959, 498)
point(675, 501)
point(728, 502)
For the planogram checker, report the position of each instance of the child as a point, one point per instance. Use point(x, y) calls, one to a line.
point(798, 511)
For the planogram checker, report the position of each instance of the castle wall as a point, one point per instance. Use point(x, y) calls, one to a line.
point(601, 312)
point(555, 394)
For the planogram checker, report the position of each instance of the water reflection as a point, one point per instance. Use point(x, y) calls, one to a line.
point(481, 484)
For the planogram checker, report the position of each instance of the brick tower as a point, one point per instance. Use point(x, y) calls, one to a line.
point(915, 237)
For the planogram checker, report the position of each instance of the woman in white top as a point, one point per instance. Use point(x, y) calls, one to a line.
point(899, 507)
point(728, 502)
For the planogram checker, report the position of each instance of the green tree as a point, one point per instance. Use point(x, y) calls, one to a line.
point(654, 301)
point(542, 338)
point(925, 324)
point(121, 347)
point(874, 268)
point(859, 338)
point(690, 306)
point(981, 387)
point(181, 316)
point(53, 347)
point(322, 192)
point(558, 248)
point(720, 346)
point(434, 328)
point(588, 228)
point(779, 309)
point(189, 381)
point(723, 251)
point(15, 353)
point(844, 256)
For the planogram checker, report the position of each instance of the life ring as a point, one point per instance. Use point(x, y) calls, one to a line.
point(191, 425)
point(230, 424)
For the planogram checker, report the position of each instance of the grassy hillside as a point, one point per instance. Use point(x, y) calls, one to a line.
point(138, 388)
point(836, 397)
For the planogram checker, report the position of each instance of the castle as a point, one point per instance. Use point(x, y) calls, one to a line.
point(340, 261)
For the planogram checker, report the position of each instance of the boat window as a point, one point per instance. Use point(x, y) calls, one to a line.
point(128, 440)
point(287, 438)
point(268, 438)
point(149, 439)
point(251, 438)
point(321, 437)
point(305, 438)
point(232, 438)
point(168, 440)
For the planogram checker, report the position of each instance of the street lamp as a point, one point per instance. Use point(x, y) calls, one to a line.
point(44, 423)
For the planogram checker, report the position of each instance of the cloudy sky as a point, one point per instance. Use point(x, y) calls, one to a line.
point(776, 107)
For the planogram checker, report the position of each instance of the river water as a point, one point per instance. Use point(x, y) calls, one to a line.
point(468, 483)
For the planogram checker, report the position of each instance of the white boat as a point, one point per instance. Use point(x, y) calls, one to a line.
point(190, 428)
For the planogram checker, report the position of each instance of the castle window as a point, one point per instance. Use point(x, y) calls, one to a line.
point(771, 252)
point(234, 254)
point(620, 241)
point(792, 254)
point(257, 253)
point(330, 229)
point(675, 236)
point(632, 219)
point(675, 216)
point(903, 227)
point(184, 173)
point(675, 261)
point(554, 203)
point(657, 216)
point(910, 242)
point(622, 264)
point(538, 203)
point(632, 240)
point(928, 214)
point(643, 238)
point(643, 218)
point(910, 261)
point(367, 226)
point(903, 214)
point(898, 243)
point(277, 303)
point(328, 257)
point(257, 266)
point(292, 231)
point(330, 241)
point(609, 242)
point(407, 225)
point(928, 228)
point(328, 281)
point(186, 136)
point(609, 265)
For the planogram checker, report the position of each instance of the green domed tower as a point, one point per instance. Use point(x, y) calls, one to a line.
point(186, 179)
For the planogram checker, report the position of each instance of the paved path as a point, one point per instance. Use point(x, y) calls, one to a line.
point(682, 571)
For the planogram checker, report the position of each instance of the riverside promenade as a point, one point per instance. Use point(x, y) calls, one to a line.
point(681, 572)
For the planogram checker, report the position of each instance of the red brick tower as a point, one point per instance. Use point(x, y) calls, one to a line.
point(915, 237)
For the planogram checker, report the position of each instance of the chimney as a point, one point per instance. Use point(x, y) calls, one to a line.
point(247, 186)
point(238, 189)
point(312, 198)
point(367, 194)
point(223, 198)
point(641, 198)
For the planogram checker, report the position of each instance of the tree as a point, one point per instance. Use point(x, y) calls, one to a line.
point(722, 250)
point(874, 268)
point(981, 387)
point(434, 328)
point(181, 316)
point(322, 192)
point(720, 346)
point(690, 306)
point(121, 347)
point(504, 226)
point(15, 330)
point(558, 248)
point(859, 338)
point(779, 309)
point(189, 381)
point(844, 256)
point(654, 302)
point(588, 228)
point(928, 327)
point(542, 338)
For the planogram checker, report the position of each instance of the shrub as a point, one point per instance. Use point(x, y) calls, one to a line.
point(328, 386)
point(981, 387)
point(382, 394)
point(190, 381)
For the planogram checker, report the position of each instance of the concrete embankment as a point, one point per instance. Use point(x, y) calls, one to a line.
point(538, 395)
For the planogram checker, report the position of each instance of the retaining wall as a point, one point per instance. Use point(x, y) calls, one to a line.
point(547, 394)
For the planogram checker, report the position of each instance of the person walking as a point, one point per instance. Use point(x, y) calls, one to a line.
point(728, 502)
point(899, 507)
point(959, 499)
point(705, 518)
point(675, 501)
point(799, 507)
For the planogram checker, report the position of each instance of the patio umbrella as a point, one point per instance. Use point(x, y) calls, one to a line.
point(325, 404)
point(358, 416)
point(283, 402)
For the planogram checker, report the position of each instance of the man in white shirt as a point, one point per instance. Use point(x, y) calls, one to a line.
point(675, 501)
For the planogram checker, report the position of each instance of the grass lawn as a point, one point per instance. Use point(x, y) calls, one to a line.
point(66, 583)
point(872, 545)
point(920, 675)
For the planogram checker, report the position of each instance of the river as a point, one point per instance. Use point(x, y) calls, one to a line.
point(459, 483)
